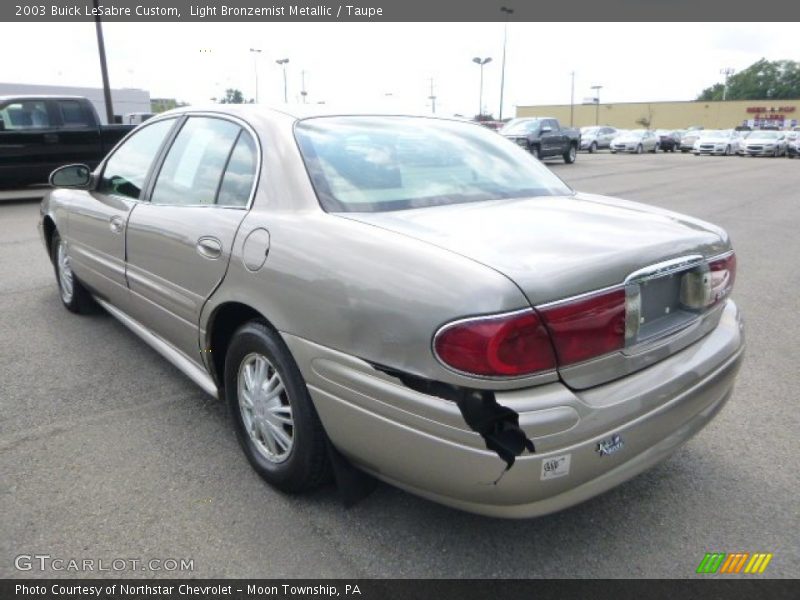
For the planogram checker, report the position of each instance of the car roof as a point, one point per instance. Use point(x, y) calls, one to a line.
point(306, 111)
point(41, 97)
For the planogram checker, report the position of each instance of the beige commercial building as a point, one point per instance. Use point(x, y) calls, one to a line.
point(673, 115)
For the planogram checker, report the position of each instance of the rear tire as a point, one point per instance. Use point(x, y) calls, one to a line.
point(639, 149)
point(570, 154)
point(272, 412)
point(593, 148)
point(74, 296)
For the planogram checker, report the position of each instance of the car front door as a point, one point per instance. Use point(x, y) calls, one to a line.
point(180, 240)
point(549, 138)
point(97, 218)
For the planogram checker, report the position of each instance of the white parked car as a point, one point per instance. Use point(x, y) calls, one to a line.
point(764, 143)
point(597, 138)
point(637, 140)
point(717, 141)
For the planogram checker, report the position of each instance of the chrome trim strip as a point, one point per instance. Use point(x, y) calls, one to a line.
point(576, 298)
point(665, 268)
point(174, 356)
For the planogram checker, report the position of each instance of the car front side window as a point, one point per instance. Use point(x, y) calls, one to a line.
point(126, 171)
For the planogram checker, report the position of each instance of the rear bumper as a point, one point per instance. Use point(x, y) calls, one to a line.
point(422, 444)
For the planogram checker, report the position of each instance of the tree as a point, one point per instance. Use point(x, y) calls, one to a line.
point(233, 96)
point(763, 80)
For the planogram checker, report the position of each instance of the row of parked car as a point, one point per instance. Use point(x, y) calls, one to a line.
point(724, 142)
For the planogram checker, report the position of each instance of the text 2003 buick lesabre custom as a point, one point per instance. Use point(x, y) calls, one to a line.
point(420, 293)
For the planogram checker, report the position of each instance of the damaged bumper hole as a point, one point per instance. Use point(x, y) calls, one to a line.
point(498, 425)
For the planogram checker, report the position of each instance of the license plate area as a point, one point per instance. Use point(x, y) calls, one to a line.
point(655, 306)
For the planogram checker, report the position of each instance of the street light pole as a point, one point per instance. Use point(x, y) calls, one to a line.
point(572, 102)
point(255, 53)
point(303, 91)
point(481, 63)
point(727, 71)
point(432, 98)
point(508, 12)
point(283, 61)
point(597, 89)
point(101, 48)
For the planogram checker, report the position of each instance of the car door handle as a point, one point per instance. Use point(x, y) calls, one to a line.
point(209, 247)
point(116, 224)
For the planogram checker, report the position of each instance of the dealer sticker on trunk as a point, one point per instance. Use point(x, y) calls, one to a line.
point(557, 466)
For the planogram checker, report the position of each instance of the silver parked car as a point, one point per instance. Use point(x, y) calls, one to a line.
point(413, 296)
point(636, 141)
point(597, 138)
point(764, 143)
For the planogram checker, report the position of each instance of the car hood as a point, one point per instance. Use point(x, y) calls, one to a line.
point(556, 247)
point(757, 140)
point(628, 139)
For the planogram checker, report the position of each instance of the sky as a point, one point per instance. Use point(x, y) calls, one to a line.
point(385, 64)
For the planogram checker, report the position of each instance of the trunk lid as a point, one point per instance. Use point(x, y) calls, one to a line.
point(557, 247)
point(554, 248)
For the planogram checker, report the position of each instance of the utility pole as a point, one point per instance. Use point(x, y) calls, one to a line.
point(508, 12)
point(727, 72)
point(597, 89)
point(255, 53)
point(303, 91)
point(572, 102)
point(101, 47)
point(432, 98)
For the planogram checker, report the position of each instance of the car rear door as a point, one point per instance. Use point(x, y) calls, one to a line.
point(179, 241)
point(97, 218)
point(79, 134)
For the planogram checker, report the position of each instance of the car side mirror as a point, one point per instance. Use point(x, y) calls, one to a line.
point(546, 129)
point(71, 176)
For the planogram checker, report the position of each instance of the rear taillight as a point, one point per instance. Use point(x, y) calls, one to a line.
point(563, 333)
point(510, 345)
point(723, 276)
point(708, 284)
point(586, 327)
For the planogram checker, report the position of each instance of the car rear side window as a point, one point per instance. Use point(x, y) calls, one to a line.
point(73, 114)
point(27, 114)
point(126, 170)
point(194, 165)
point(239, 174)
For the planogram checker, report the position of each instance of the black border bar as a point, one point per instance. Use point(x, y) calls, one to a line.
point(700, 587)
point(402, 10)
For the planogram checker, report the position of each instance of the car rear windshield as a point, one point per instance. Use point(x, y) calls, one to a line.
point(375, 164)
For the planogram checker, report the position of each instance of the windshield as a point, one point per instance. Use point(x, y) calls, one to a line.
point(715, 135)
point(765, 135)
point(374, 164)
point(636, 133)
point(522, 126)
point(589, 130)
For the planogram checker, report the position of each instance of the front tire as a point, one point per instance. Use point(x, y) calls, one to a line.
point(74, 296)
point(639, 149)
point(273, 415)
point(593, 148)
point(536, 152)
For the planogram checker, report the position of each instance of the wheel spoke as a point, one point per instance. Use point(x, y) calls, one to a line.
point(280, 436)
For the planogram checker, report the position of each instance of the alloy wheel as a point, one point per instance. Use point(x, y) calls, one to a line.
point(265, 407)
point(65, 278)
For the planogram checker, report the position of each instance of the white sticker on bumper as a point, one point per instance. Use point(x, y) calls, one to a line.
point(557, 466)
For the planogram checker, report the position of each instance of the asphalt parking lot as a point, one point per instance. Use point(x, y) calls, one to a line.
point(107, 451)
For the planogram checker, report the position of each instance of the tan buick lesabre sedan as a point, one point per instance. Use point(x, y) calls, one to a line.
point(414, 298)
